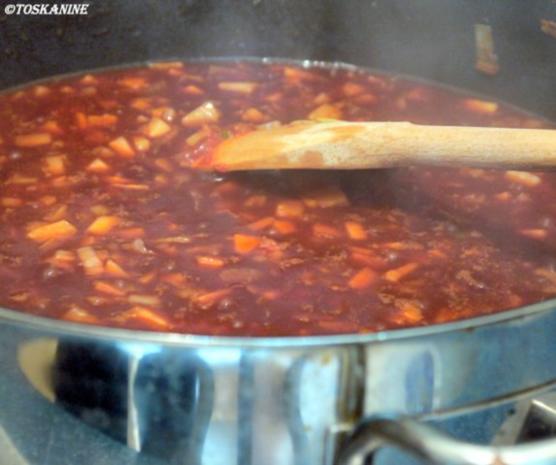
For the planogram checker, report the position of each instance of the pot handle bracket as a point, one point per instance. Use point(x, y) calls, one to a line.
point(435, 447)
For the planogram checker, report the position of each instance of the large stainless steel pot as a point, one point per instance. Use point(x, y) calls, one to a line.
point(192, 400)
point(72, 394)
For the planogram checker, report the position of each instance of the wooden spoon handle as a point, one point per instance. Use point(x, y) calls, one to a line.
point(346, 145)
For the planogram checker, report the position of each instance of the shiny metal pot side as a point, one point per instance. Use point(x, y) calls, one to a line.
point(184, 399)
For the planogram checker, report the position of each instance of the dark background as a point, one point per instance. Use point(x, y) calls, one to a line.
point(428, 38)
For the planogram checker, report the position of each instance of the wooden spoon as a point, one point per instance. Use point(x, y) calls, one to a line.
point(353, 145)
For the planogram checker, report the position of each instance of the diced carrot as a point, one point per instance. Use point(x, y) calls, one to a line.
point(55, 165)
point(61, 181)
point(131, 233)
point(118, 180)
point(395, 245)
point(67, 90)
point(141, 299)
point(325, 111)
point(133, 187)
point(90, 261)
point(290, 209)
point(261, 224)
point(59, 230)
point(146, 316)
point(11, 202)
point(52, 127)
point(534, 233)
point(161, 179)
point(140, 103)
point(99, 210)
point(64, 255)
point(147, 277)
point(192, 90)
point(156, 127)
point(351, 89)
point(63, 259)
point(105, 120)
point(284, 227)
point(122, 147)
point(78, 315)
point(113, 269)
point(321, 98)
point(167, 114)
point(210, 262)
point(103, 152)
point(265, 294)
point(103, 225)
point(436, 253)
point(325, 231)
point(98, 166)
point(141, 143)
point(244, 243)
point(183, 239)
point(255, 201)
point(109, 289)
point(18, 178)
point(175, 279)
point(355, 231)
point(503, 196)
point(244, 87)
point(326, 198)
point(362, 279)
point(274, 97)
point(253, 115)
point(523, 177)
point(88, 79)
point(164, 164)
point(134, 83)
point(81, 120)
point(33, 140)
point(210, 298)
point(298, 74)
point(411, 312)
point(366, 257)
point(41, 91)
point(398, 273)
point(203, 114)
point(483, 107)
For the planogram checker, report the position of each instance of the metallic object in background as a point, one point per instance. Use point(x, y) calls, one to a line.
point(438, 448)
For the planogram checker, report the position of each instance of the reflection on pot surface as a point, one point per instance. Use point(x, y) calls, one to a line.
point(212, 401)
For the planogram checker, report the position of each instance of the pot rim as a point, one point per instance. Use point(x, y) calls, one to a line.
point(53, 325)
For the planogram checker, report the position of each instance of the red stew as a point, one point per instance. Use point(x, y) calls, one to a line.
point(102, 221)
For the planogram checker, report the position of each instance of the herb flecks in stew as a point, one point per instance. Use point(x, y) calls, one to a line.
point(102, 221)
